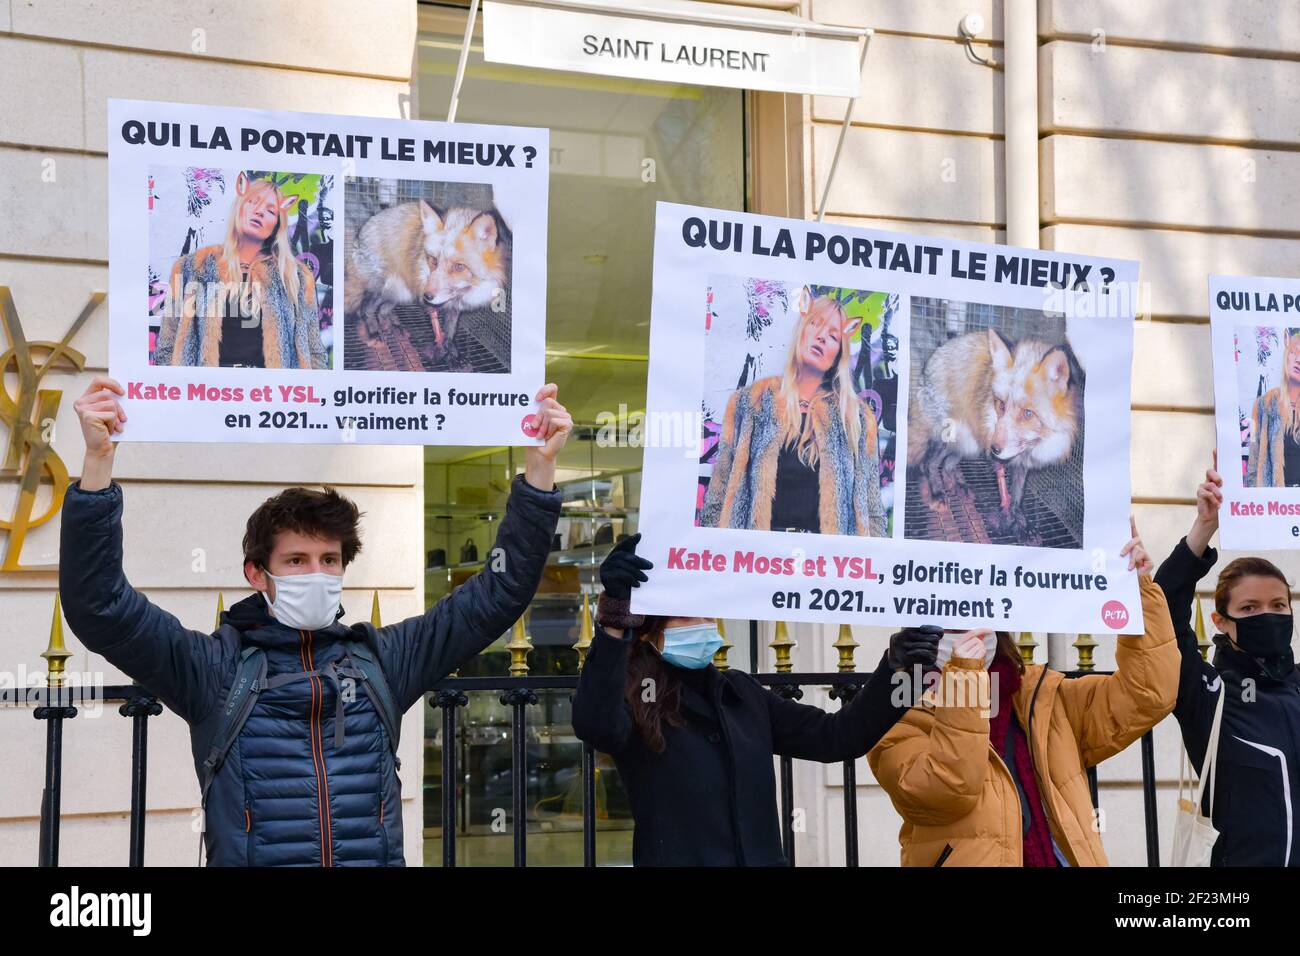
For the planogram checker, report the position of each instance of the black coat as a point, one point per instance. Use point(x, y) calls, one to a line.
point(710, 798)
point(1257, 775)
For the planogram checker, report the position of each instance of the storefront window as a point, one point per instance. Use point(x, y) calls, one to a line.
point(617, 147)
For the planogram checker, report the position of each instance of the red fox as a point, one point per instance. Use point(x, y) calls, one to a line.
point(447, 261)
point(979, 396)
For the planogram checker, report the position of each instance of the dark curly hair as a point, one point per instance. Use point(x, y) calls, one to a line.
point(320, 514)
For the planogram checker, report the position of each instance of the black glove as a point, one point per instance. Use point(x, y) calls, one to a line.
point(914, 645)
point(622, 570)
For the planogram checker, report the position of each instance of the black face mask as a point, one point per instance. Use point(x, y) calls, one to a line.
point(1267, 638)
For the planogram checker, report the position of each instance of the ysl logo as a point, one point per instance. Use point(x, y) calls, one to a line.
point(29, 413)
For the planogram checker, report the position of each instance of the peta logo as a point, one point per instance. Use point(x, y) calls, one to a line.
point(75, 909)
point(1114, 615)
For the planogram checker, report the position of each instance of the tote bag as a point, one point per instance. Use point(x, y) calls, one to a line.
point(1194, 833)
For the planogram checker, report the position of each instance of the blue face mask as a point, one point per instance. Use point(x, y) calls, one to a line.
point(691, 647)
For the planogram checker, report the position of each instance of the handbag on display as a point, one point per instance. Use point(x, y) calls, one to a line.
point(604, 534)
point(437, 558)
point(1194, 833)
point(468, 552)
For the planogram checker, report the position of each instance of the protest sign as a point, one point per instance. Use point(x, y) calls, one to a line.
point(867, 427)
point(297, 277)
point(1255, 345)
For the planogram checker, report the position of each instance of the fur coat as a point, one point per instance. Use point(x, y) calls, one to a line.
point(191, 328)
point(743, 487)
point(1264, 465)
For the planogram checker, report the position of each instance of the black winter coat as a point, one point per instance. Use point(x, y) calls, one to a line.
point(710, 798)
point(1257, 776)
point(305, 783)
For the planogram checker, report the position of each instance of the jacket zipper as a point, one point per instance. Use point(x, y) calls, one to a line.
point(318, 756)
point(1020, 823)
point(383, 832)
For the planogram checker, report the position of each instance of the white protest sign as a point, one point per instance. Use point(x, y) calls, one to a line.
point(1255, 344)
point(297, 277)
point(847, 425)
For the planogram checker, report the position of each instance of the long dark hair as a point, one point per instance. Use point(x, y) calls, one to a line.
point(1008, 649)
point(648, 675)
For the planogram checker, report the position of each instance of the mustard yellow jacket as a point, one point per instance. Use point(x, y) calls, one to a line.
point(954, 790)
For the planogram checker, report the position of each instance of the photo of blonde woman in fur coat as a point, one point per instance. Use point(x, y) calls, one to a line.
point(1274, 454)
point(247, 302)
point(799, 451)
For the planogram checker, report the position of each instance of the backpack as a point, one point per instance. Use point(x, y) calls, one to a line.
point(250, 680)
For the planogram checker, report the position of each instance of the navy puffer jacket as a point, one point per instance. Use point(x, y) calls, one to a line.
point(306, 783)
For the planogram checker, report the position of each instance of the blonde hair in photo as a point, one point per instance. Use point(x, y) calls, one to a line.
point(281, 253)
point(837, 383)
point(1288, 409)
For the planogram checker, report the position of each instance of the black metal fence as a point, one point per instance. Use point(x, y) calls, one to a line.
point(57, 705)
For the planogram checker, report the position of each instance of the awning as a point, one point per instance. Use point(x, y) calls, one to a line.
point(677, 41)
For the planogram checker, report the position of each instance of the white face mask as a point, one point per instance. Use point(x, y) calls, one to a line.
point(948, 641)
point(305, 601)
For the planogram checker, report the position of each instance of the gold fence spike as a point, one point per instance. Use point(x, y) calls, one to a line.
point(1202, 641)
point(1026, 645)
point(845, 645)
point(221, 607)
point(720, 658)
point(585, 632)
point(782, 645)
point(1085, 644)
point(519, 647)
point(374, 610)
point(55, 652)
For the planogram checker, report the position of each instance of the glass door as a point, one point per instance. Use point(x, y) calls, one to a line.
point(617, 147)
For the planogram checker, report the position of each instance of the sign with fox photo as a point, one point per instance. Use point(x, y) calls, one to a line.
point(847, 425)
point(302, 277)
point(1255, 344)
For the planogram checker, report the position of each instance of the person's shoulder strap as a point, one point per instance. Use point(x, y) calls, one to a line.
point(1212, 751)
point(250, 677)
point(375, 683)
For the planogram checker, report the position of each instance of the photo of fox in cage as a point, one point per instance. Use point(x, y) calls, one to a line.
point(798, 408)
point(426, 282)
point(994, 427)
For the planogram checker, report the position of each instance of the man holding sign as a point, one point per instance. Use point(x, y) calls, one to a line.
point(294, 717)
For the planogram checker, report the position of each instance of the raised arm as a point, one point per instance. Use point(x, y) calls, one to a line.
point(111, 618)
point(1107, 713)
point(934, 762)
point(422, 650)
point(600, 712)
point(810, 733)
point(1189, 562)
